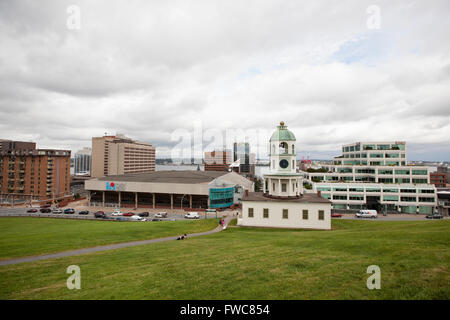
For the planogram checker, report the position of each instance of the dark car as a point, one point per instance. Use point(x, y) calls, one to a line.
point(32, 210)
point(84, 212)
point(69, 211)
point(99, 214)
point(143, 214)
point(128, 214)
point(434, 216)
point(157, 219)
point(45, 210)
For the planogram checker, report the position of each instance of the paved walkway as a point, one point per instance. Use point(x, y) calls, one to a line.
point(107, 247)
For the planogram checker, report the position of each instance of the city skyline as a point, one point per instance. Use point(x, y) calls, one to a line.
point(155, 68)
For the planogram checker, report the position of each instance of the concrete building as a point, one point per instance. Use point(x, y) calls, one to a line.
point(82, 162)
point(443, 195)
point(392, 198)
point(218, 160)
point(34, 173)
point(282, 203)
point(375, 175)
point(168, 189)
point(373, 154)
point(116, 155)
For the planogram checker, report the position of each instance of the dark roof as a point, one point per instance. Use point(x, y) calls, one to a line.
point(306, 198)
point(172, 176)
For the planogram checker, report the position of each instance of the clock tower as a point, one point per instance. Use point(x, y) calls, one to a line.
point(283, 180)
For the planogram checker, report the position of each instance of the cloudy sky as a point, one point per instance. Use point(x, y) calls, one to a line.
point(157, 70)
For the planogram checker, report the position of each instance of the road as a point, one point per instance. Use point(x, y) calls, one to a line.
point(391, 217)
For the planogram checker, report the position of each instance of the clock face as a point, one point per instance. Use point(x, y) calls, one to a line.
point(284, 163)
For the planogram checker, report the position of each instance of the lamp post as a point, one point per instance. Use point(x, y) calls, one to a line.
point(181, 205)
point(90, 197)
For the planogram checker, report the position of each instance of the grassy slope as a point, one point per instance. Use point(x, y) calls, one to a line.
point(247, 263)
point(34, 236)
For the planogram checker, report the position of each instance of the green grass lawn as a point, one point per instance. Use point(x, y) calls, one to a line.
point(35, 236)
point(251, 263)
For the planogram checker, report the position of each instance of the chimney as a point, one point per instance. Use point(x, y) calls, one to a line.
point(246, 192)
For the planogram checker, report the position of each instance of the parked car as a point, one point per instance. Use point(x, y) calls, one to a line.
point(336, 215)
point(45, 210)
point(137, 218)
point(157, 219)
point(57, 211)
point(99, 214)
point(161, 215)
point(434, 216)
point(116, 212)
point(143, 214)
point(84, 212)
point(69, 211)
point(367, 214)
point(128, 214)
point(192, 215)
point(32, 210)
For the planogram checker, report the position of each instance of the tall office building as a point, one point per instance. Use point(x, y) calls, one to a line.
point(242, 155)
point(117, 155)
point(375, 175)
point(82, 162)
point(218, 160)
point(38, 173)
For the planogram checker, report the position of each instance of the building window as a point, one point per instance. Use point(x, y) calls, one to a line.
point(283, 187)
point(285, 213)
point(305, 214)
point(321, 215)
point(265, 213)
point(273, 186)
point(250, 212)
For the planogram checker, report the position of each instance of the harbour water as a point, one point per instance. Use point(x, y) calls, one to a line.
point(259, 170)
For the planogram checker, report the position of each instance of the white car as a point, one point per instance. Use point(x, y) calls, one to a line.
point(192, 215)
point(116, 212)
point(367, 214)
point(161, 215)
point(57, 210)
point(137, 218)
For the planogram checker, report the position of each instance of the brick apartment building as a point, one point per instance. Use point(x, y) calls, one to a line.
point(218, 160)
point(117, 155)
point(33, 173)
point(439, 179)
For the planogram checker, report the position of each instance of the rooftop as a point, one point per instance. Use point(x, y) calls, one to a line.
point(170, 176)
point(305, 198)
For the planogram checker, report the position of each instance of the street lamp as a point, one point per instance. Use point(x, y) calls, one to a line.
point(182, 201)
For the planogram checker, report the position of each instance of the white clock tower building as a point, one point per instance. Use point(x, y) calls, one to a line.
point(283, 204)
point(283, 179)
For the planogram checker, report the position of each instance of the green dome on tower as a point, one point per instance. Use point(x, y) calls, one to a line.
point(282, 134)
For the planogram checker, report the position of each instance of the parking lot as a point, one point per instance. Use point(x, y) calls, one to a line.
point(172, 215)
